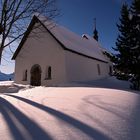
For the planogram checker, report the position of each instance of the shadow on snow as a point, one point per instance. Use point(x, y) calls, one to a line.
point(15, 118)
point(117, 110)
point(84, 128)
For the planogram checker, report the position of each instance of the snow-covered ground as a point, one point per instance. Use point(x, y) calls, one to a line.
point(101, 110)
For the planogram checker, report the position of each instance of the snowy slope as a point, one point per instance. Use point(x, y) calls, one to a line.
point(70, 113)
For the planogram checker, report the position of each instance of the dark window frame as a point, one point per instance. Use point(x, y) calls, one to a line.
point(98, 69)
point(48, 73)
point(25, 74)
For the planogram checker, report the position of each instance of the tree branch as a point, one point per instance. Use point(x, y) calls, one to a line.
point(14, 40)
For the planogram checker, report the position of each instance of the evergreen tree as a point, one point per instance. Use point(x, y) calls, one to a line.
point(135, 49)
point(123, 41)
point(128, 42)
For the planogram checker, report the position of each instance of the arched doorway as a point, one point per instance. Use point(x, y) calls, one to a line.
point(35, 79)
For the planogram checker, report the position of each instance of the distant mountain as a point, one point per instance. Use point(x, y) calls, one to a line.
point(5, 77)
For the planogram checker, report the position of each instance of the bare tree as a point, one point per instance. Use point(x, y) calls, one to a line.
point(15, 16)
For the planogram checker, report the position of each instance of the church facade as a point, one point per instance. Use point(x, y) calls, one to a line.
point(50, 55)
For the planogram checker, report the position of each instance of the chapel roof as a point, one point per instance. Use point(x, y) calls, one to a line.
point(86, 46)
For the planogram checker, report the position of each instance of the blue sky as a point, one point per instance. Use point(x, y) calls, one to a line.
point(78, 16)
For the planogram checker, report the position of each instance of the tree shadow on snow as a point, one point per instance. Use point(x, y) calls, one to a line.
point(21, 127)
point(84, 128)
point(111, 108)
point(132, 120)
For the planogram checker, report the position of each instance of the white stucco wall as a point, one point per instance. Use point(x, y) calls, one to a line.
point(79, 68)
point(44, 50)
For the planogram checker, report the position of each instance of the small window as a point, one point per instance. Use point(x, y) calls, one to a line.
point(25, 75)
point(48, 73)
point(98, 68)
point(110, 70)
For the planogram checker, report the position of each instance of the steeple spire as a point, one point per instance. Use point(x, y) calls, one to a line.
point(95, 32)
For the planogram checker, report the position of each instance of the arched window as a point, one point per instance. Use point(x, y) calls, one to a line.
point(98, 68)
point(25, 75)
point(48, 75)
point(110, 70)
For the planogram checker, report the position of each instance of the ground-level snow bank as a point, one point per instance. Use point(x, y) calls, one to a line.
point(11, 87)
point(69, 113)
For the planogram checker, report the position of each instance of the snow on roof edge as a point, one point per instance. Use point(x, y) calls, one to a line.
point(73, 41)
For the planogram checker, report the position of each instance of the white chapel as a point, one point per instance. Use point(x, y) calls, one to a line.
point(50, 54)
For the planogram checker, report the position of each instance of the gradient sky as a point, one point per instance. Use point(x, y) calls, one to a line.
point(78, 16)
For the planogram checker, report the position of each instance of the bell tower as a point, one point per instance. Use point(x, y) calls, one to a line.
point(95, 32)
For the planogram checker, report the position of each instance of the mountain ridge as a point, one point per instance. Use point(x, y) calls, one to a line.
point(6, 77)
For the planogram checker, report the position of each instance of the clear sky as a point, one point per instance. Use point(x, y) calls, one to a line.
point(78, 16)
